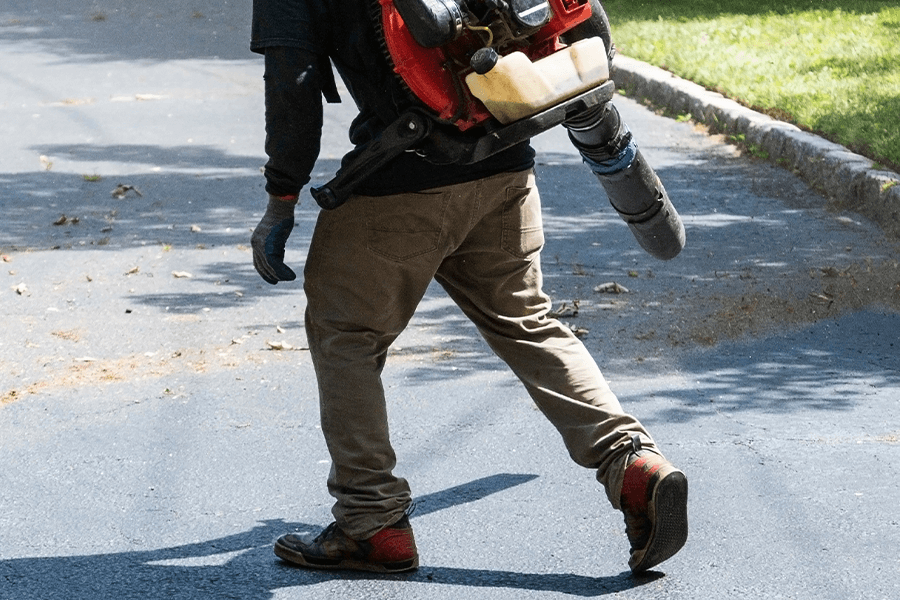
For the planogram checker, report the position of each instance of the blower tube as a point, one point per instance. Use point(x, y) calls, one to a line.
point(633, 188)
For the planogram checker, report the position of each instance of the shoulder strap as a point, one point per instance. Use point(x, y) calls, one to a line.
point(329, 87)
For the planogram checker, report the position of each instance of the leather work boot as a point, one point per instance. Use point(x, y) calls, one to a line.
point(654, 500)
point(391, 550)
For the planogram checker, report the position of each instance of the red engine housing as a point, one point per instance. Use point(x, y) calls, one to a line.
point(436, 75)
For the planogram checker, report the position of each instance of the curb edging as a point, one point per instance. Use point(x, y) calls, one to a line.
point(843, 175)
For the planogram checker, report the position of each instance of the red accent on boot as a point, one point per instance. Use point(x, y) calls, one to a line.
point(635, 483)
point(392, 545)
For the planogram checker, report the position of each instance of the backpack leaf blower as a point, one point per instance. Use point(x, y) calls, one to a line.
point(484, 75)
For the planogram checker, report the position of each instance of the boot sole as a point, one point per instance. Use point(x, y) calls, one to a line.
point(296, 558)
point(668, 513)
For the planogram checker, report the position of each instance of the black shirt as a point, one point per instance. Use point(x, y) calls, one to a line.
point(299, 38)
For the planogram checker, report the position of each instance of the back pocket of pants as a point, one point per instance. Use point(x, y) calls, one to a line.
point(403, 226)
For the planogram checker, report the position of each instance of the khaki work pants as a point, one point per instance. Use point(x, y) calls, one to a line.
point(369, 264)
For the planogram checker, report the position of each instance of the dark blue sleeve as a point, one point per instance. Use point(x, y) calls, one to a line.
point(293, 84)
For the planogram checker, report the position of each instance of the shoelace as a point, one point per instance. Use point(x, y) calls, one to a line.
point(326, 533)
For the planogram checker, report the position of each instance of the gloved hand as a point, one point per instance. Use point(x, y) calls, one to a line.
point(269, 238)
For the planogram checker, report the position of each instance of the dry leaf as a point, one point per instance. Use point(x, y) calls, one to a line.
point(122, 189)
point(565, 310)
point(133, 271)
point(279, 345)
point(611, 287)
point(579, 332)
point(181, 275)
point(63, 220)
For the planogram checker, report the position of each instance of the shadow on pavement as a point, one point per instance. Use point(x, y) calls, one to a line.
point(120, 30)
point(243, 566)
point(808, 369)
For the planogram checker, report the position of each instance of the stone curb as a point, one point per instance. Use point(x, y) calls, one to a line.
point(828, 167)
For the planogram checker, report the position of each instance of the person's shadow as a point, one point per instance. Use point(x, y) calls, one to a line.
point(243, 566)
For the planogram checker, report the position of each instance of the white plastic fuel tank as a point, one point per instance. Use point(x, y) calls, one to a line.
point(517, 88)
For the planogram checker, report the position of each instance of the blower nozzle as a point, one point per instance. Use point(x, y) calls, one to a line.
point(633, 188)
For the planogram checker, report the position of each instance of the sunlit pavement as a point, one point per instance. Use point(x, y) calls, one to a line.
point(159, 418)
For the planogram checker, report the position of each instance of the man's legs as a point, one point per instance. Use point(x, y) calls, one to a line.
point(368, 267)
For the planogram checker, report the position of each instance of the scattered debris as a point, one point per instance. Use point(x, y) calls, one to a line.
point(64, 220)
point(122, 190)
point(21, 289)
point(137, 97)
point(279, 345)
point(6, 258)
point(822, 298)
point(195, 229)
point(611, 287)
point(133, 271)
point(578, 271)
point(181, 275)
point(73, 102)
point(46, 163)
point(565, 310)
point(73, 335)
point(579, 332)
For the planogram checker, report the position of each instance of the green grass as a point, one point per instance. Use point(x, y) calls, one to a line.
point(829, 67)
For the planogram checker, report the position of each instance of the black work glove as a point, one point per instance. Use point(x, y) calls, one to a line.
point(269, 238)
